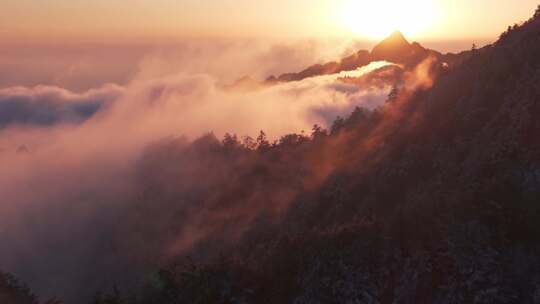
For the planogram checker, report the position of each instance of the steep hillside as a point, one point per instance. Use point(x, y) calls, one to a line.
point(431, 199)
point(12, 291)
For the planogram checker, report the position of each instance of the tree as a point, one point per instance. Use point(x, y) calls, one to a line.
point(249, 143)
point(506, 33)
point(394, 94)
point(358, 115)
point(14, 292)
point(262, 143)
point(337, 125)
point(291, 140)
point(537, 12)
point(318, 132)
point(230, 141)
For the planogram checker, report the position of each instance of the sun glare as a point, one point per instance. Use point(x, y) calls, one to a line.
point(377, 19)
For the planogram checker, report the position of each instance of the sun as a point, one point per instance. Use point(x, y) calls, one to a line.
point(376, 19)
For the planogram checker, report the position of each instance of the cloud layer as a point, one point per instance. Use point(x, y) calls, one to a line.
point(73, 180)
point(46, 105)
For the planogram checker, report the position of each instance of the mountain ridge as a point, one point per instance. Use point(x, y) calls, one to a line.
point(395, 48)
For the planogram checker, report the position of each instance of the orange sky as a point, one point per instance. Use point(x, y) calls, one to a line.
point(142, 19)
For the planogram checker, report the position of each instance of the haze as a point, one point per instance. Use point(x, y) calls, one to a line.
point(166, 19)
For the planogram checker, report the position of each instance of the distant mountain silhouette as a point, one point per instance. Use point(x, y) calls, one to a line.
point(395, 48)
point(395, 41)
point(245, 84)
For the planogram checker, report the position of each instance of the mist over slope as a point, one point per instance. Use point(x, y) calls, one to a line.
point(429, 197)
point(71, 163)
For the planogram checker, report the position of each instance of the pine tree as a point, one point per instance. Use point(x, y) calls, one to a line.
point(318, 132)
point(262, 142)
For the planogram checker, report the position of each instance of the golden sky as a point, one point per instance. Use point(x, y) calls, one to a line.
point(116, 19)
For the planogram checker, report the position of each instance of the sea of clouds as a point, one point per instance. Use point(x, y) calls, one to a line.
point(67, 156)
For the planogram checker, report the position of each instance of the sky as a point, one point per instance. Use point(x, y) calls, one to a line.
point(79, 44)
point(114, 20)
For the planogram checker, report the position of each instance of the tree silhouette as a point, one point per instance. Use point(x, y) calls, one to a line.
point(394, 94)
point(262, 143)
point(337, 125)
point(14, 292)
point(318, 132)
point(249, 143)
point(230, 141)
